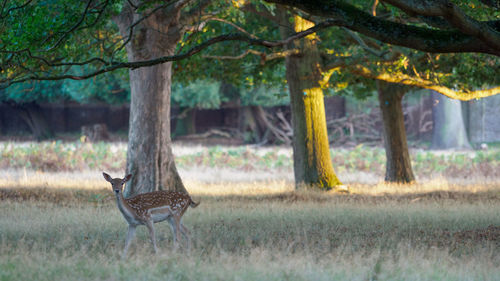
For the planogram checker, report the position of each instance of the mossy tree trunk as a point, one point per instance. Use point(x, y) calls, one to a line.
point(311, 149)
point(398, 164)
point(149, 156)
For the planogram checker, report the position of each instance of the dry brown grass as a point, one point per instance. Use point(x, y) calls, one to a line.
point(65, 226)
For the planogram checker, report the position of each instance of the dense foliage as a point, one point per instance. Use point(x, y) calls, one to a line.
point(44, 39)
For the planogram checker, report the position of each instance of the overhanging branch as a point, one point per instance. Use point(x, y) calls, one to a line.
point(414, 37)
point(454, 15)
point(263, 56)
point(408, 80)
point(133, 65)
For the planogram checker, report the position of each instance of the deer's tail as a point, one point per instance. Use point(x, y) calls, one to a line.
point(194, 204)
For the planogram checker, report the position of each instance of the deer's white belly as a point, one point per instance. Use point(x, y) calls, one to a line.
point(160, 213)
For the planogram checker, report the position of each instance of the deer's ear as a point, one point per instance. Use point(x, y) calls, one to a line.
point(107, 177)
point(127, 178)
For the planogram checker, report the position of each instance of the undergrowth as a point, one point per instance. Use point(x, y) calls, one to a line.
point(77, 156)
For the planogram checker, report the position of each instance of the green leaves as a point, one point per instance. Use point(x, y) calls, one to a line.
point(45, 38)
point(111, 88)
point(198, 94)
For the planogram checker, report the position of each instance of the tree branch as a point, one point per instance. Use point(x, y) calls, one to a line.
point(111, 66)
point(73, 28)
point(240, 29)
point(3, 15)
point(419, 38)
point(454, 16)
point(408, 80)
point(363, 45)
point(263, 56)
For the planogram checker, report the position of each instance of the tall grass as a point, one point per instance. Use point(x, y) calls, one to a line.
point(296, 235)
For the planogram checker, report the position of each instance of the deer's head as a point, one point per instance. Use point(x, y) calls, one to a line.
point(117, 184)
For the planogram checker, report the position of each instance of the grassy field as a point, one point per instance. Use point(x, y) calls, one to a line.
point(421, 232)
point(59, 220)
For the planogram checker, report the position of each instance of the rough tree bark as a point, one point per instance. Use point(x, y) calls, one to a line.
point(398, 164)
point(311, 153)
point(448, 131)
point(149, 156)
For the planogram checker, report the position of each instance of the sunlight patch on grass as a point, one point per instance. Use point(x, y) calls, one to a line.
point(239, 188)
point(89, 180)
point(218, 182)
point(434, 185)
point(74, 180)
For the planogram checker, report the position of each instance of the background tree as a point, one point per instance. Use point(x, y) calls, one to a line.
point(312, 162)
point(448, 131)
point(82, 35)
point(451, 75)
point(394, 164)
point(398, 163)
point(306, 77)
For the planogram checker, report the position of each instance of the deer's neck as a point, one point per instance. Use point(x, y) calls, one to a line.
point(124, 208)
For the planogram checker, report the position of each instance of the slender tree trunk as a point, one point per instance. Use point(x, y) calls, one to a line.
point(398, 164)
point(149, 156)
point(311, 153)
point(448, 131)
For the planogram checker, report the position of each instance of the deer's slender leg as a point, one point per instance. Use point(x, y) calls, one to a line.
point(151, 228)
point(130, 235)
point(177, 221)
point(175, 230)
point(186, 234)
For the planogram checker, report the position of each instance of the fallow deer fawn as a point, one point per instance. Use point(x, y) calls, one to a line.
point(149, 208)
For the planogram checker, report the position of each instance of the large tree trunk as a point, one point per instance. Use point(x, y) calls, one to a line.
point(398, 164)
point(311, 153)
point(149, 156)
point(448, 131)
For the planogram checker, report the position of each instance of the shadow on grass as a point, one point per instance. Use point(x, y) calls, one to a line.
point(101, 196)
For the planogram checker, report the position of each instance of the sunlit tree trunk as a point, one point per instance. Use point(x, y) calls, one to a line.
point(311, 153)
point(149, 156)
point(398, 164)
